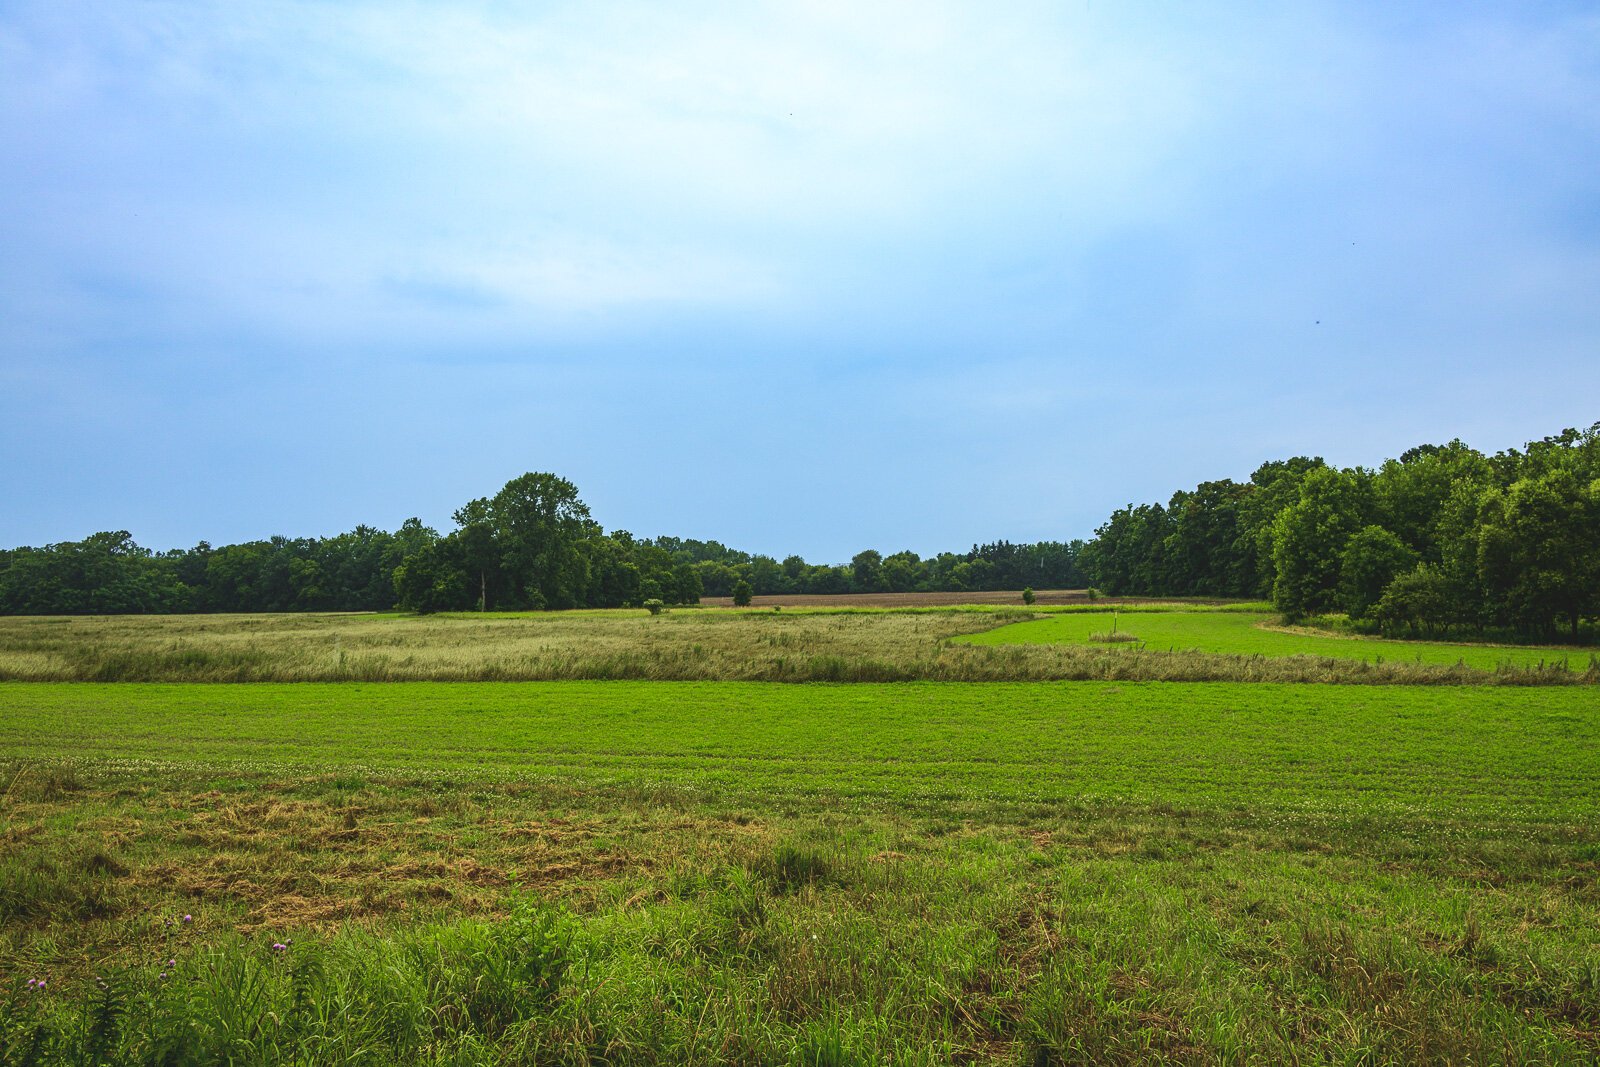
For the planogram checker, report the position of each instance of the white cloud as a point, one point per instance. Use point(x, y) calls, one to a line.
point(981, 211)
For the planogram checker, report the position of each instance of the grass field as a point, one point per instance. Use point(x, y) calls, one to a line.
point(722, 645)
point(746, 873)
point(1255, 634)
point(530, 646)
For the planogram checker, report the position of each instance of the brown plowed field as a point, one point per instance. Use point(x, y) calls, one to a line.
point(902, 600)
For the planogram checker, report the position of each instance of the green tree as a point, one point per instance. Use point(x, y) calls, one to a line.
point(539, 526)
point(767, 575)
point(1539, 549)
point(716, 578)
point(901, 572)
point(685, 584)
point(614, 579)
point(1419, 600)
point(1205, 555)
point(1370, 561)
point(1273, 486)
point(1309, 537)
point(866, 572)
point(434, 579)
point(741, 594)
point(1128, 554)
point(480, 548)
point(1411, 493)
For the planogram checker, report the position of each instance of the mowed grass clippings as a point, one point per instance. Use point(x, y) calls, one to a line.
point(631, 873)
point(964, 644)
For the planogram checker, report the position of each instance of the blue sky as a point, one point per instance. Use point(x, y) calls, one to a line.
point(801, 278)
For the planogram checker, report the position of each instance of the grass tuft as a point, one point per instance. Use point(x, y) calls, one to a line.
point(792, 867)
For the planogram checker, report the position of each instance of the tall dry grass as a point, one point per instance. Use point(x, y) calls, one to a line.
point(678, 646)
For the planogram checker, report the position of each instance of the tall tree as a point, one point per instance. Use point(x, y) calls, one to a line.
point(1204, 554)
point(539, 525)
point(866, 571)
point(1539, 549)
point(1309, 538)
point(1411, 492)
point(1273, 486)
point(1371, 560)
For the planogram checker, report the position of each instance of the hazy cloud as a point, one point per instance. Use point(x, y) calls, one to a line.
point(804, 277)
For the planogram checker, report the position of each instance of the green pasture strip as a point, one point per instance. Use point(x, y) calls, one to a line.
point(1505, 754)
point(1240, 634)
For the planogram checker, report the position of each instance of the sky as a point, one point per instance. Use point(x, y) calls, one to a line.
point(801, 278)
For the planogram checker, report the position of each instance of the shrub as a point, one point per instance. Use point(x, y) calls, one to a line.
point(1027, 595)
point(654, 606)
point(1418, 600)
point(742, 594)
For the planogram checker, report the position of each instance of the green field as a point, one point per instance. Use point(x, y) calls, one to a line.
point(1502, 752)
point(1255, 634)
point(753, 873)
point(972, 644)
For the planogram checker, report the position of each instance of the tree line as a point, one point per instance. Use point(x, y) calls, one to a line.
point(533, 545)
point(1443, 539)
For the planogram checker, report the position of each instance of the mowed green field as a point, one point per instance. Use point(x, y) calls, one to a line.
point(1253, 634)
point(738, 873)
point(1478, 752)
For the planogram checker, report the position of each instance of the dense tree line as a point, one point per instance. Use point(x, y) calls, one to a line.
point(1443, 539)
point(1002, 565)
point(107, 573)
point(533, 545)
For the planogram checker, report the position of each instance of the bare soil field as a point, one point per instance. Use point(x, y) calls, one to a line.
point(902, 600)
point(946, 600)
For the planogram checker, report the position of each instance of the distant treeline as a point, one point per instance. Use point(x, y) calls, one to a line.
point(1444, 538)
point(533, 545)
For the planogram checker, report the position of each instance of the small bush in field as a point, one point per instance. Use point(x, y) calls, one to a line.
point(1113, 637)
point(742, 594)
point(1027, 595)
point(654, 606)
